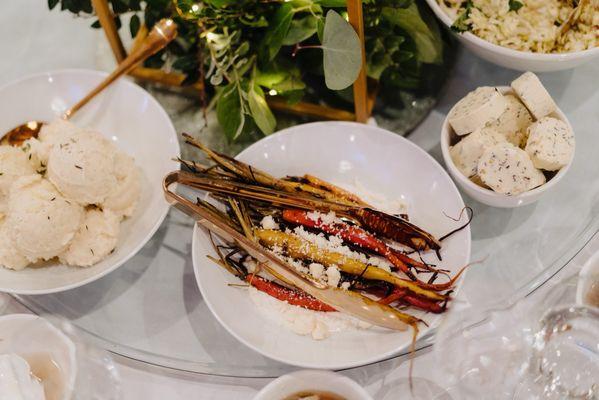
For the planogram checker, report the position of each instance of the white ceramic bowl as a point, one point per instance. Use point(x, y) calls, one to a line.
point(324, 381)
point(588, 274)
point(516, 59)
point(339, 152)
point(134, 121)
point(488, 196)
point(29, 336)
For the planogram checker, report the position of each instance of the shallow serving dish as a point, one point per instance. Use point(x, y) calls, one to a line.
point(322, 381)
point(341, 153)
point(488, 196)
point(516, 59)
point(134, 121)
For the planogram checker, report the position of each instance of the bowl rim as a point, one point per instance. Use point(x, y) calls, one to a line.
point(465, 181)
point(506, 51)
point(150, 233)
point(338, 378)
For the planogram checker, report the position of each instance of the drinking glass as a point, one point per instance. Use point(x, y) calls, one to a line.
point(545, 346)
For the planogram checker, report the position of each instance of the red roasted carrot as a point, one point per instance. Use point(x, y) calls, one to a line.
point(405, 297)
point(423, 304)
point(352, 234)
point(393, 297)
point(291, 296)
point(366, 240)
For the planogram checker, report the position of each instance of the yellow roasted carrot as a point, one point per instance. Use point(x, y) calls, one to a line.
point(302, 249)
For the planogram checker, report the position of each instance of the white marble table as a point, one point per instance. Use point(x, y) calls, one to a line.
point(37, 40)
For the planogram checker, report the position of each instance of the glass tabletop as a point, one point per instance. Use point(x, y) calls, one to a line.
point(150, 309)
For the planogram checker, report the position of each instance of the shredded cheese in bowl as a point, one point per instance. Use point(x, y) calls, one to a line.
point(527, 25)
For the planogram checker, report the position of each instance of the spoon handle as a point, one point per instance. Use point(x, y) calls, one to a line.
point(161, 34)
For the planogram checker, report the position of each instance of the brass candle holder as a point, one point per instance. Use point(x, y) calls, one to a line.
point(363, 98)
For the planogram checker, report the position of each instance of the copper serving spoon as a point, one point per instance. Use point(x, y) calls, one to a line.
point(161, 34)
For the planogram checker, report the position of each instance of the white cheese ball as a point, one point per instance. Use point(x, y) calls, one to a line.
point(466, 153)
point(82, 167)
point(533, 94)
point(14, 163)
point(507, 169)
point(550, 144)
point(41, 221)
point(513, 122)
point(96, 238)
point(474, 111)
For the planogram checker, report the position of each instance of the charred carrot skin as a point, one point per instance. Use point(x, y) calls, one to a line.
point(397, 229)
point(299, 248)
point(359, 237)
point(291, 296)
point(351, 234)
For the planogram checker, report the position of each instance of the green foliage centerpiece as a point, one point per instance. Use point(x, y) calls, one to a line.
point(247, 50)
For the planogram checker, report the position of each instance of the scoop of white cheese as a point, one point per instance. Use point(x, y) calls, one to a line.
point(507, 169)
point(474, 111)
point(550, 144)
point(16, 380)
point(123, 198)
point(83, 167)
point(96, 238)
point(513, 122)
point(41, 221)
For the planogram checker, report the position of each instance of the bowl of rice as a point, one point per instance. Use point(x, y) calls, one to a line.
point(526, 35)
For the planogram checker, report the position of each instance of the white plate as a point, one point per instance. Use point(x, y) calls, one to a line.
point(339, 152)
point(134, 121)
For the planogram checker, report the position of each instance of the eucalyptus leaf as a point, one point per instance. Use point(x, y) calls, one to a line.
point(342, 58)
point(378, 64)
point(280, 76)
point(301, 29)
point(320, 28)
point(277, 30)
point(260, 111)
point(229, 113)
point(426, 36)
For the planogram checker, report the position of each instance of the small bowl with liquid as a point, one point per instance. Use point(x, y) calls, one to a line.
point(587, 291)
point(50, 353)
point(313, 385)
